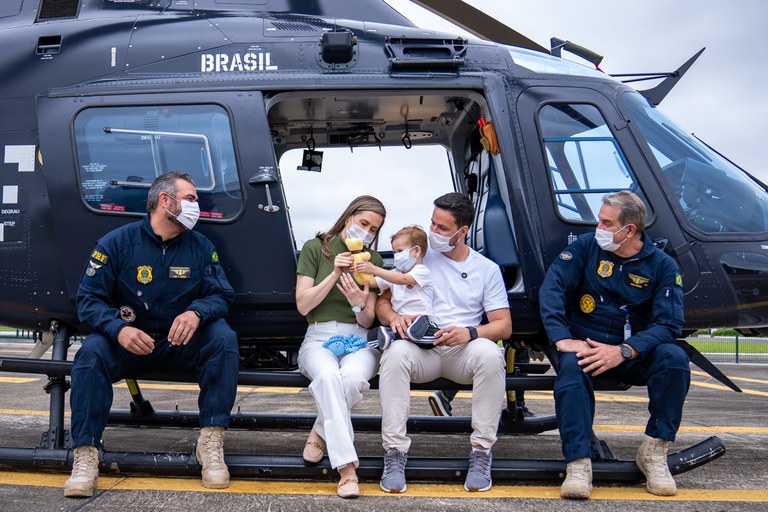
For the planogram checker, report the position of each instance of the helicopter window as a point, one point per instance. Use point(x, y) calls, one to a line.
point(716, 196)
point(121, 150)
point(585, 161)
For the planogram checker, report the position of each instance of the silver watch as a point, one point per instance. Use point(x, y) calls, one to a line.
point(358, 309)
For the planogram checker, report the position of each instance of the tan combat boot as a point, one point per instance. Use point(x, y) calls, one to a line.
point(85, 473)
point(210, 455)
point(652, 461)
point(578, 480)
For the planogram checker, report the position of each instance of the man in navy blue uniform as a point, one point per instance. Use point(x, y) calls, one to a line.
point(155, 296)
point(612, 305)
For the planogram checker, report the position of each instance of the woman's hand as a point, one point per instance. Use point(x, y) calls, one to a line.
point(351, 291)
point(342, 262)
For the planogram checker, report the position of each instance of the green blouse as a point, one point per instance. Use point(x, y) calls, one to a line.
point(313, 264)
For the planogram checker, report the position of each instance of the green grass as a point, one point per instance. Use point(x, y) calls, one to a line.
point(729, 346)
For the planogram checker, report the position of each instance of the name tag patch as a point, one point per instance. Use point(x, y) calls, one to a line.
point(179, 273)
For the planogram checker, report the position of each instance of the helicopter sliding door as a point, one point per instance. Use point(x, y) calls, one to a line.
point(102, 153)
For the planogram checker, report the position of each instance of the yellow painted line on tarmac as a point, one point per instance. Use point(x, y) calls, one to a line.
point(18, 380)
point(725, 388)
point(742, 379)
point(691, 429)
point(194, 387)
point(26, 412)
point(455, 491)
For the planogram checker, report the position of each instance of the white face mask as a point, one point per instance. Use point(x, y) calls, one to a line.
point(604, 239)
point(403, 260)
point(355, 231)
point(190, 213)
point(441, 243)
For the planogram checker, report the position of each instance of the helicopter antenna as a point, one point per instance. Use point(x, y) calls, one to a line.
point(656, 94)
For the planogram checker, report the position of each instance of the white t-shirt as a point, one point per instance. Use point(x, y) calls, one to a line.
point(412, 300)
point(464, 290)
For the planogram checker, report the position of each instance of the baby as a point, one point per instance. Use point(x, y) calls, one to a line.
point(411, 286)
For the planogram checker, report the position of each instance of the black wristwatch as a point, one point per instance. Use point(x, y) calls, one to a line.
point(626, 352)
point(472, 333)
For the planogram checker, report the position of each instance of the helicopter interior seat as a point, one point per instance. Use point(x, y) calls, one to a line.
point(716, 202)
point(491, 234)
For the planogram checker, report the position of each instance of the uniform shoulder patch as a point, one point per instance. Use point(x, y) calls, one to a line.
point(566, 256)
point(214, 257)
point(98, 256)
point(679, 280)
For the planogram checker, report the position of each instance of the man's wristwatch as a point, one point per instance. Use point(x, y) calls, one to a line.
point(358, 309)
point(472, 333)
point(626, 352)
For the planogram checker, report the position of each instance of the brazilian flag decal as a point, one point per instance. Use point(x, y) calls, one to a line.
point(215, 257)
point(679, 280)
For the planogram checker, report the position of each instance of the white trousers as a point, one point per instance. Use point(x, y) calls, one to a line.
point(479, 362)
point(337, 385)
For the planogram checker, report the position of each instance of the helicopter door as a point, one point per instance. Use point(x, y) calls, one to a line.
point(587, 152)
point(99, 170)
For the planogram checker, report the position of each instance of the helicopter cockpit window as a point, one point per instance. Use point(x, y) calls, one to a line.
point(121, 150)
point(716, 196)
point(585, 161)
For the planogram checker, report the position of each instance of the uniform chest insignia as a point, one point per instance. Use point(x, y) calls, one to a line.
point(605, 269)
point(127, 314)
point(179, 273)
point(638, 281)
point(587, 303)
point(144, 274)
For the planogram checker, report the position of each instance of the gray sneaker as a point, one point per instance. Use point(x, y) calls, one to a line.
point(393, 478)
point(479, 474)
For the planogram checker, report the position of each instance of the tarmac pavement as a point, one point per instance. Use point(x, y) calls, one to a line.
point(735, 482)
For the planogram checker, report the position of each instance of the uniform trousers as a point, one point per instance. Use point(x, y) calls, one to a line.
point(665, 371)
point(479, 362)
point(337, 385)
point(211, 354)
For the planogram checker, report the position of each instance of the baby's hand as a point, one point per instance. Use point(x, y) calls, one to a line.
point(365, 267)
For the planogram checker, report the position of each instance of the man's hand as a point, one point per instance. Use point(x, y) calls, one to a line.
point(599, 357)
point(183, 327)
point(571, 345)
point(452, 336)
point(135, 341)
point(399, 324)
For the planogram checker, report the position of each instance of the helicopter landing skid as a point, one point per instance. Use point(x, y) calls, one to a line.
point(292, 467)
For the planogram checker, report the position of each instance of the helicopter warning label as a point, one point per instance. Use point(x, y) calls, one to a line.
point(229, 63)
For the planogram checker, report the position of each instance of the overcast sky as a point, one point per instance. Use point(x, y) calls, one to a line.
point(721, 99)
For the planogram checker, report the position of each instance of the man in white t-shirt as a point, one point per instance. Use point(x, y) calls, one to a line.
point(467, 286)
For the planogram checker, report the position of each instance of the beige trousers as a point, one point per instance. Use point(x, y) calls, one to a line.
point(479, 362)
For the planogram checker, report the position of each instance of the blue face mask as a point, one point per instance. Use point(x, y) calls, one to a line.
point(403, 260)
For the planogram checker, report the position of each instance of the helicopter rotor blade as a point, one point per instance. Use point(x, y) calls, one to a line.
point(479, 23)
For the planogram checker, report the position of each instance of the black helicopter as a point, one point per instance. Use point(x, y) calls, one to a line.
point(104, 95)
